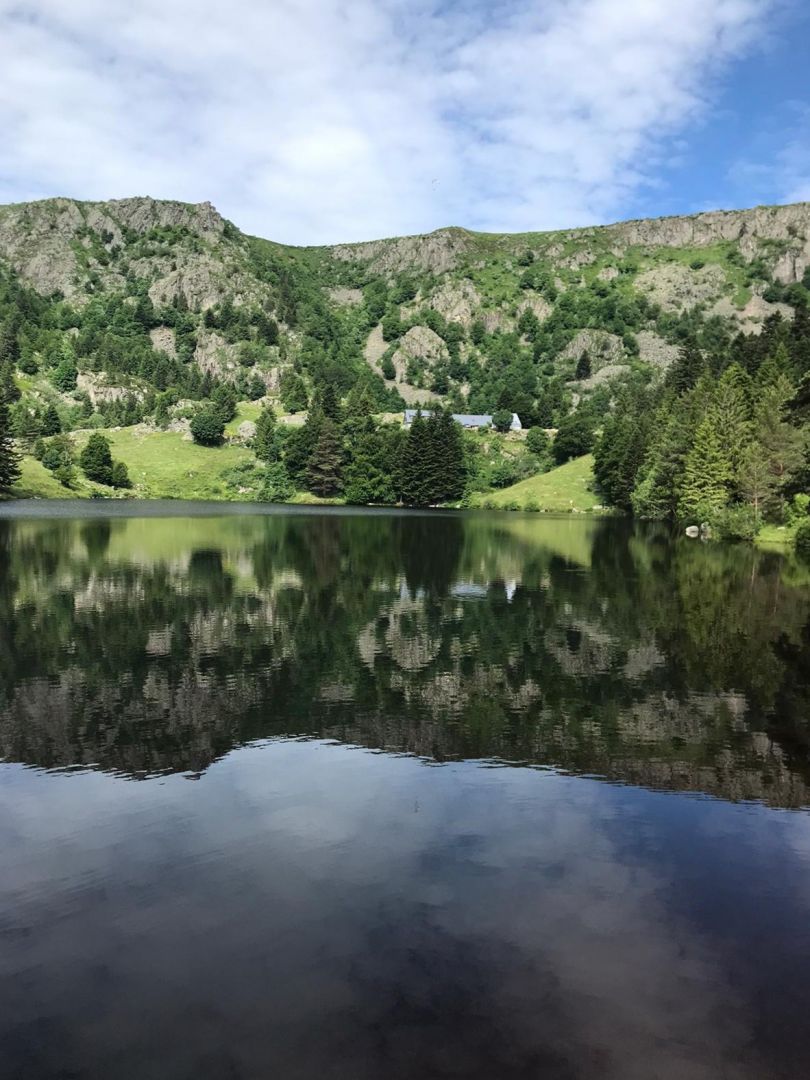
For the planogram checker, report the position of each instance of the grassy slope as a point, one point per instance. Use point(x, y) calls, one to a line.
point(164, 465)
point(567, 488)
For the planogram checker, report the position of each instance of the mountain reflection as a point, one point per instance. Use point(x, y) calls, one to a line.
point(147, 645)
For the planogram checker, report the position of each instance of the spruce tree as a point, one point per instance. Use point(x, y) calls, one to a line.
point(9, 461)
point(51, 424)
point(266, 443)
point(96, 459)
point(704, 488)
point(687, 369)
point(325, 466)
point(414, 482)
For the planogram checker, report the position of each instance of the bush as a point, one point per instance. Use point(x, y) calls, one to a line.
point(120, 475)
point(537, 441)
point(207, 426)
point(797, 509)
point(803, 540)
point(277, 486)
point(532, 505)
point(502, 420)
point(736, 523)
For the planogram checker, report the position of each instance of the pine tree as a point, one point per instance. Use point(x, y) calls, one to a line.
point(414, 482)
point(9, 461)
point(444, 463)
point(266, 443)
point(704, 488)
point(51, 424)
point(96, 459)
point(325, 466)
point(687, 369)
point(9, 391)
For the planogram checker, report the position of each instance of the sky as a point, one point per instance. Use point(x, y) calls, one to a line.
point(319, 121)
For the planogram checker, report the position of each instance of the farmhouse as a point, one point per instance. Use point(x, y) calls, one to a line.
point(467, 420)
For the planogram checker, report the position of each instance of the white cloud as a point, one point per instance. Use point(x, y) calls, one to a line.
point(316, 120)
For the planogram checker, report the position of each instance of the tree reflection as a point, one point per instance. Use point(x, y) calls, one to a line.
point(593, 646)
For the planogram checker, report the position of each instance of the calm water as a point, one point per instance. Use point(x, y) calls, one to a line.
point(364, 796)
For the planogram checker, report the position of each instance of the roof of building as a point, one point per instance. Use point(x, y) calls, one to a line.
point(465, 419)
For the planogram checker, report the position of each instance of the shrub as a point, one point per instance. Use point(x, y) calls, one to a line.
point(277, 486)
point(797, 509)
point(532, 505)
point(119, 477)
point(537, 441)
point(803, 540)
point(736, 523)
point(207, 426)
point(502, 420)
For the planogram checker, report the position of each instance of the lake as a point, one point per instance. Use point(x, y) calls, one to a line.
point(356, 795)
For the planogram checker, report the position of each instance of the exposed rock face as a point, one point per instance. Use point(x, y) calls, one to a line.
point(602, 348)
point(789, 225)
point(436, 252)
point(654, 350)
point(346, 297)
point(538, 304)
point(457, 301)
point(376, 347)
point(99, 390)
point(214, 355)
point(40, 239)
point(419, 343)
point(162, 338)
point(678, 288)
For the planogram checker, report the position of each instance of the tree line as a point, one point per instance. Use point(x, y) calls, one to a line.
point(723, 438)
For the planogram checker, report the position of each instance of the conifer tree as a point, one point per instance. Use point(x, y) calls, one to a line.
point(687, 369)
point(413, 465)
point(704, 489)
point(9, 461)
point(266, 442)
point(96, 459)
point(325, 466)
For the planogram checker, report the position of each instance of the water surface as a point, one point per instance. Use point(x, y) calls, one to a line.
point(353, 795)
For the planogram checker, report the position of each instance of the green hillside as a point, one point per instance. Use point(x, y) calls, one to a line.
point(568, 488)
point(145, 320)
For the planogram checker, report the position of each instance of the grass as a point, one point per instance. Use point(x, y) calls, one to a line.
point(775, 537)
point(568, 488)
point(36, 482)
point(164, 465)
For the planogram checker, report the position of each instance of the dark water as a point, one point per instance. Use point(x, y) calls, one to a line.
point(360, 796)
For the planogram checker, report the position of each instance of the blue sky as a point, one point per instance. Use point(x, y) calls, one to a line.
point(314, 121)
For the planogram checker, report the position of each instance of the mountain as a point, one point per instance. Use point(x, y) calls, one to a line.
point(138, 314)
point(419, 307)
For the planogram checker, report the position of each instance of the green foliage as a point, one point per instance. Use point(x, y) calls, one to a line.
point(293, 392)
point(96, 459)
point(537, 441)
point(51, 424)
point(502, 420)
point(574, 437)
point(276, 485)
point(9, 460)
point(803, 540)
point(325, 465)
point(707, 475)
point(583, 369)
point(737, 522)
point(119, 477)
point(266, 443)
point(207, 426)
